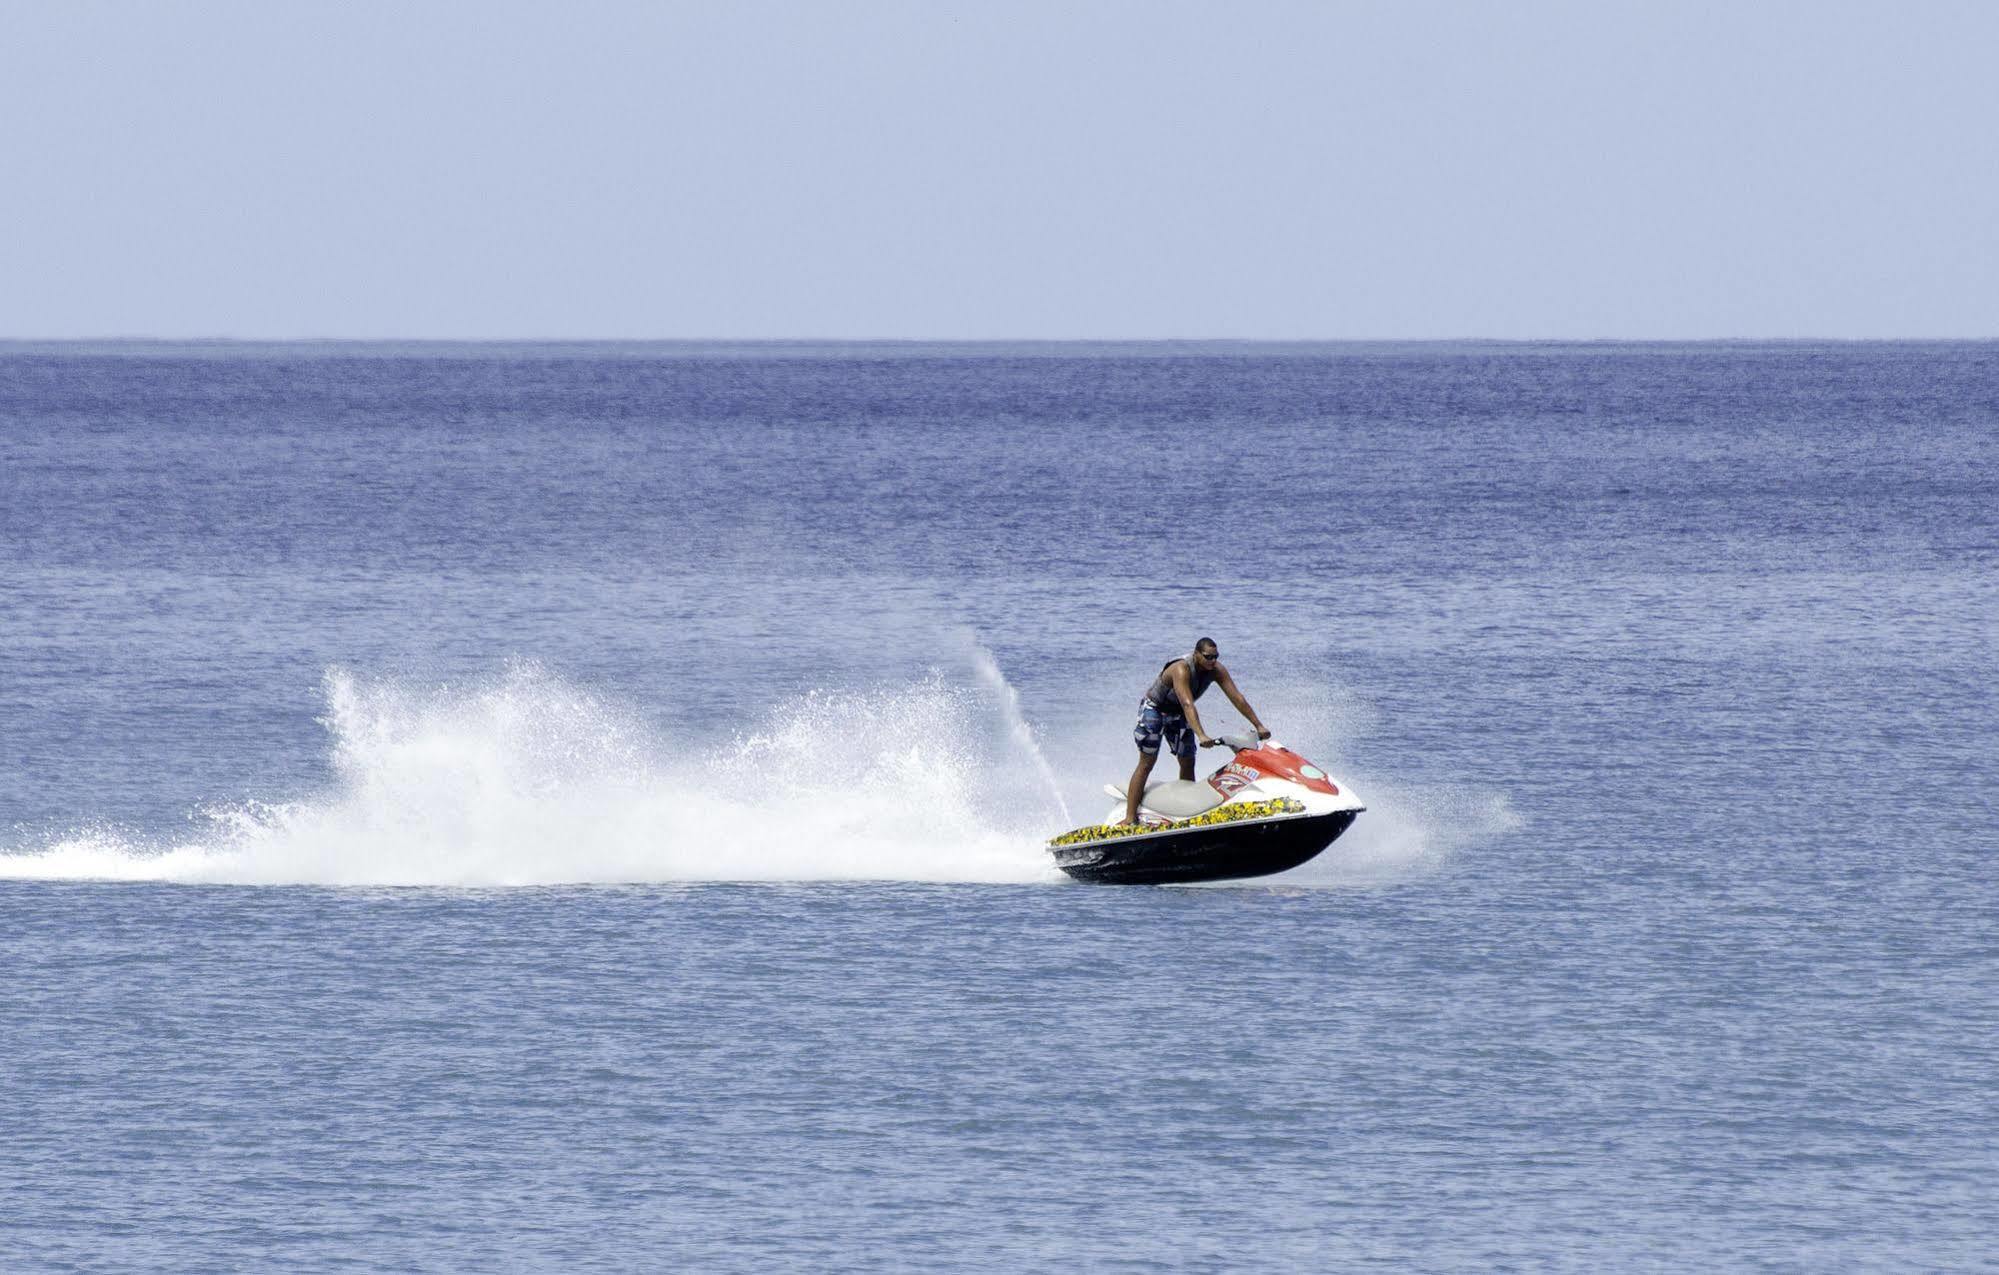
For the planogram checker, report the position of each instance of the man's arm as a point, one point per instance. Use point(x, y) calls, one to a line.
point(1183, 686)
point(1241, 704)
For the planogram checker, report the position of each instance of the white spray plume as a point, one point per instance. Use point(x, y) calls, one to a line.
point(526, 779)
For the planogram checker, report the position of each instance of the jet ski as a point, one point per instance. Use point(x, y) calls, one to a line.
point(1266, 810)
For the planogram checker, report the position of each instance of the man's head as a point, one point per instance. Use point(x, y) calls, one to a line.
point(1206, 654)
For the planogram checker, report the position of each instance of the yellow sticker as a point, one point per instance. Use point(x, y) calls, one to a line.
point(1219, 815)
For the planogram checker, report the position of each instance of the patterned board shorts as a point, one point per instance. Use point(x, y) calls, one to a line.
point(1155, 723)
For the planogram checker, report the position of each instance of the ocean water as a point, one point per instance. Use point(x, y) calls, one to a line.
point(579, 807)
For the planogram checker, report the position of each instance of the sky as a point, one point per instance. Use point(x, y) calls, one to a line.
point(854, 169)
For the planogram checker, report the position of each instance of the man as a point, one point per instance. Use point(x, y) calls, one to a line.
point(1167, 709)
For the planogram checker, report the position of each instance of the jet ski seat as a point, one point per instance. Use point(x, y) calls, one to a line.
point(1175, 798)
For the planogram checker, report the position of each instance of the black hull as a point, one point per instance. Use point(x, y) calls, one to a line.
point(1221, 852)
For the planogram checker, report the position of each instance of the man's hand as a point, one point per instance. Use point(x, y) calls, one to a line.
point(1261, 733)
point(1206, 742)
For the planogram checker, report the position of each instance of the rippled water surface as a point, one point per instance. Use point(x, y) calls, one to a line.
point(580, 807)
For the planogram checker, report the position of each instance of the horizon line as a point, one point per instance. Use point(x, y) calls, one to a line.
point(990, 340)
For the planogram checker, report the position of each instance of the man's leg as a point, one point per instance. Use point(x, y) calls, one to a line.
point(1179, 737)
point(1136, 788)
point(1147, 735)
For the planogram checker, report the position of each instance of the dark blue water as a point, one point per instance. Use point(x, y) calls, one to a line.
point(555, 807)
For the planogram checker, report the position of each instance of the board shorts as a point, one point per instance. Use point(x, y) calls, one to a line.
point(1155, 724)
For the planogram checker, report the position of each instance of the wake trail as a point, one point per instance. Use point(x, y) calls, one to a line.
point(528, 780)
point(525, 779)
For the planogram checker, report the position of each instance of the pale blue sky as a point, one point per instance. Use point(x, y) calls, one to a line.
point(944, 170)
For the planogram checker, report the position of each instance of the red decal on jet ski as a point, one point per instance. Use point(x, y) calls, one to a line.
point(1282, 763)
point(1230, 780)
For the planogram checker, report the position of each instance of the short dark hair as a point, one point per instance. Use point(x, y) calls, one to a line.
point(1207, 642)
